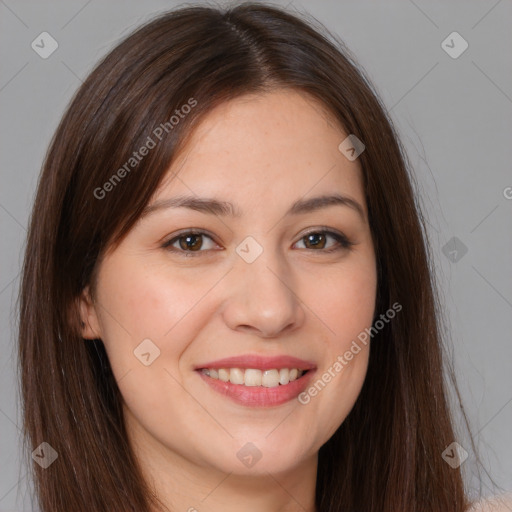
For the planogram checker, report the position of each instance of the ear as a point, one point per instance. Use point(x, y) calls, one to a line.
point(89, 318)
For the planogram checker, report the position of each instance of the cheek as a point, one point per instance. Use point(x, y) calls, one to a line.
point(136, 304)
point(143, 311)
point(346, 305)
point(143, 301)
point(139, 302)
point(344, 299)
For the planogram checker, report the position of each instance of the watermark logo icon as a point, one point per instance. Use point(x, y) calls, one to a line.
point(351, 147)
point(249, 249)
point(44, 45)
point(454, 455)
point(454, 249)
point(146, 352)
point(249, 454)
point(454, 45)
point(45, 455)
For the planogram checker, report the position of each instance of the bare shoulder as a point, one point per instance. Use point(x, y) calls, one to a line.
point(501, 503)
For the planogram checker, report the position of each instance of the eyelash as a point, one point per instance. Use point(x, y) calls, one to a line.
point(343, 242)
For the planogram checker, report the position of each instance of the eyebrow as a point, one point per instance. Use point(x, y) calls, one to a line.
point(224, 208)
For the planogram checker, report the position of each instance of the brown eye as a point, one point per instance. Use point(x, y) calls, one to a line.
point(189, 243)
point(192, 242)
point(317, 240)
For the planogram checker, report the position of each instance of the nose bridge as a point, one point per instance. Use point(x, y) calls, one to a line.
point(261, 292)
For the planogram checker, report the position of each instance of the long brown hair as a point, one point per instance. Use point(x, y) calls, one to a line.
point(386, 456)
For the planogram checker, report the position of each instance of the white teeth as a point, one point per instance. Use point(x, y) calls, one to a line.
point(270, 378)
point(224, 375)
point(236, 376)
point(253, 377)
point(284, 376)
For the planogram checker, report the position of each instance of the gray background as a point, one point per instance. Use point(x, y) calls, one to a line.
point(454, 116)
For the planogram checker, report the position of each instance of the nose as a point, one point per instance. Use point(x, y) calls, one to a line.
point(263, 297)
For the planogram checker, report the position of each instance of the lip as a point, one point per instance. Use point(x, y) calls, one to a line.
point(259, 362)
point(259, 396)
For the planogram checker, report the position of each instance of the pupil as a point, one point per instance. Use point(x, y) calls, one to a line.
point(311, 238)
point(188, 245)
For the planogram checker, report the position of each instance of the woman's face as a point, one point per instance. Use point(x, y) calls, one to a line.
point(266, 285)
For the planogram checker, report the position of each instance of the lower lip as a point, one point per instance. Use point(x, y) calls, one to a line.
point(259, 396)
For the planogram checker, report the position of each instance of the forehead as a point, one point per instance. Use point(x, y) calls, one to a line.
point(273, 146)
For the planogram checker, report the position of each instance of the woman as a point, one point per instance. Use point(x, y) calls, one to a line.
point(223, 227)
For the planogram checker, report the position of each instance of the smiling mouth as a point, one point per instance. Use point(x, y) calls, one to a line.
point(253, 377)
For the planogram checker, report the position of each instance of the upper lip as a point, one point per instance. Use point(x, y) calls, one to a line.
point(259, 362)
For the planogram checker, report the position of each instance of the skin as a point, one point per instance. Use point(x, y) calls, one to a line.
point(262, 153)
point(499, 503)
